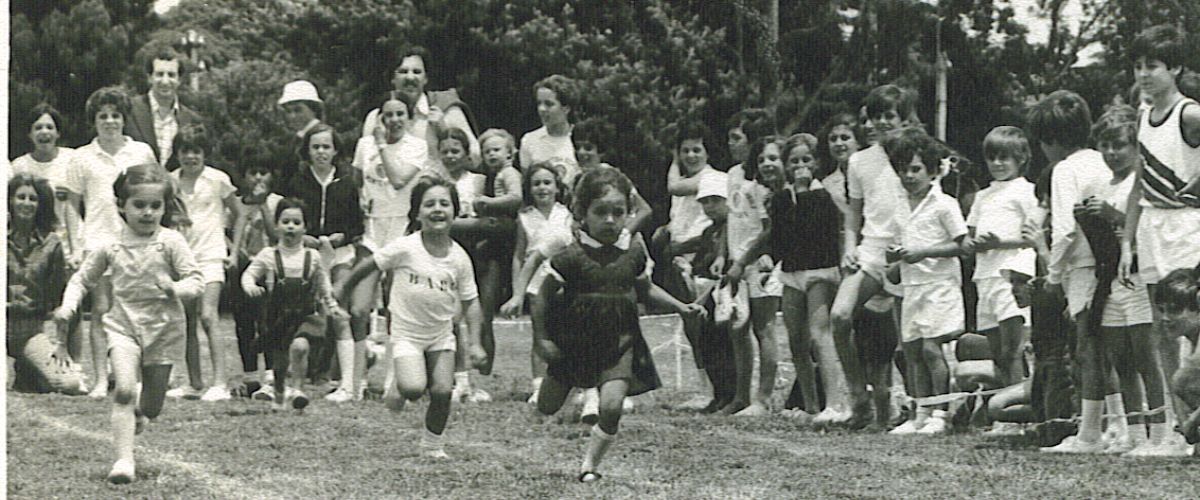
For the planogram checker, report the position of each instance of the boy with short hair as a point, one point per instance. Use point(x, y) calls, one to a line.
point(928, 239)
point(587, 138)
point(1002, 256)
point(556, 96)
point(876, 196)
point(1164, 212)
point(1061, 124)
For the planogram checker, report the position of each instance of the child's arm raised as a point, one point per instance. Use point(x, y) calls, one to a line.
point(680, 185)
point(642, 212)
point(399, 174)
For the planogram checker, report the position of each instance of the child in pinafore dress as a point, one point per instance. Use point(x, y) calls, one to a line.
point(590, 336)
point(152, 269)
point(297, 288)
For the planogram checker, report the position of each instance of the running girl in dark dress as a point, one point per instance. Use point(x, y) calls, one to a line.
point(590, 336)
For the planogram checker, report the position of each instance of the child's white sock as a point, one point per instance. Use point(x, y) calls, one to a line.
point(345, 355)
point(462, 380)
point(923, 414)
point(536, 384)
point(360, 367)
point(1159, 432)
point(1089, 425)
point(1114, 404)
point(432, 444)
point(597, 446)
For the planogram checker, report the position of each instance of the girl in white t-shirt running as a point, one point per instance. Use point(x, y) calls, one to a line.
point(434, 283)
point(208, 193)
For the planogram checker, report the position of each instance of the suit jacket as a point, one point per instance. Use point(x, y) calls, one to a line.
point(140, 123)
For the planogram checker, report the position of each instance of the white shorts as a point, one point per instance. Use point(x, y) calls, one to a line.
point(996, 303)
point(762, 282)
point(1167, 239)
point(407, 345)
point(932, 311)
point(801, 280)
point(1079, 285)
point(872, 260)
point(212, 270)
point(1128, 306)
point(383, 230)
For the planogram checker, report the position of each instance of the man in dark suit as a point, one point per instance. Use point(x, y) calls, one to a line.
point(157, 116)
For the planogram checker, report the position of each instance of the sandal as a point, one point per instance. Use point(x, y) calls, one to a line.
point(589, 477)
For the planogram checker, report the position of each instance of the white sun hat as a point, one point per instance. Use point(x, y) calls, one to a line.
point(299, 90)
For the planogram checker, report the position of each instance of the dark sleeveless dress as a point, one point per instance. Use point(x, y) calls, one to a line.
point(594, 322)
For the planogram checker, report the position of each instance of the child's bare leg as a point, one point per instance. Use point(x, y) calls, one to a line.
point(191, 349)
point(612, 395)
point(796, 319)
point(762, 318)
point(743, 365)
point(1168, 352)
point(440, 366)
point(279, 364)
point(854, 291)
point(935, 363)
point(918, 377)
point(362, 302)
point(551, 396)
point(155, 379)
point(489, 291)
point(1144, 352)
point(1119, 351)
point(101, 302)
point(209, 320)
point(1011, 404)
point(1006, 349)
point(298, 353)
point(126, 361)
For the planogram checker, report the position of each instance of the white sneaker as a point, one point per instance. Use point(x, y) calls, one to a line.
point(339, 396)
point(533, 397)
point(908, 427)
point(216, 393)
point(479, 396)
point(264, 393)
point(1173, 445)
point(459, 393)
point(627, 406)
point(122, 472)
point(1072, 444)
point(827, 416)
point(1005, 429)
point(101, 391)
point(1120, 445)
point(936, 424)
point(185, 392)
point(590, 412)
point(696, 403)
point(754, 410)
point(435, 453)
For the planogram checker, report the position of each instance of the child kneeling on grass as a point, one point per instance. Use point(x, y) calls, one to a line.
point(297, 282)
point(434, 282)
point(590, 337)
point(151, 269)
point(929, 239)
point(1179, 303)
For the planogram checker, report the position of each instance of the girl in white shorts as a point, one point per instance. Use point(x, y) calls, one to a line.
point(433, 283)
point(207, 192)
point(145, 326)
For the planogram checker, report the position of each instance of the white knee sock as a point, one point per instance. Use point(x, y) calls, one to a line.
point(1114, 404)
point(345, 355)
point(1089, 425)
point(597, 446)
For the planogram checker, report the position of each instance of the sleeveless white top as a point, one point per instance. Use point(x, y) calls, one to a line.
point(1169, 161)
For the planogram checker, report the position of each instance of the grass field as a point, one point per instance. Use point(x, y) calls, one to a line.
point(59, 447)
